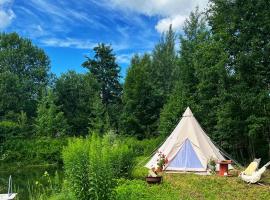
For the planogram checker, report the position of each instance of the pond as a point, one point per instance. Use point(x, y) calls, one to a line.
point(24, 178)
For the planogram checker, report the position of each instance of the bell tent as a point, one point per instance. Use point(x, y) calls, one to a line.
point(188, 148)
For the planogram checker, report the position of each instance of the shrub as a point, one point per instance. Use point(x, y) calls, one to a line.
point(101, 170)
point(139, 171)
point(138, 189)
point(7, 129)
point(76, 160)
point(121, 157)
point(33, 151)
point(92, 166)
point(143, 147)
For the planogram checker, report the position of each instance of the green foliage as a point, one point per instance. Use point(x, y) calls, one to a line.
point(138, 189)
point(99, 121)
point(76, 161)
point(139, 171)
point(91, 165)
point(184, 92)
point(101, 171)
point(172, 110)
point(104, 68)
point(65, 194)
point(163, 69)
point(77, 94)
point(9, 89)
point(106, 71)
point(142, 147)
point(24, 72)
point(7, 129)
point(18, 127)
point(148, 84)
point(50, 120)
point(32, 151)
point(44, 187)
point(140, 113)
point(239, 26)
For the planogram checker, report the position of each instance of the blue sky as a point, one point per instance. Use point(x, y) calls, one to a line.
point(68, 29)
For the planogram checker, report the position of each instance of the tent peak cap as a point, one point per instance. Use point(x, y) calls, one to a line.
point(188, 113)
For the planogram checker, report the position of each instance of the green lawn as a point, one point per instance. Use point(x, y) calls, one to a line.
point(191, 186)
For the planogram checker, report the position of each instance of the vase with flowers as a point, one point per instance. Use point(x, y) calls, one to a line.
point(155, 174)
point(161, 161)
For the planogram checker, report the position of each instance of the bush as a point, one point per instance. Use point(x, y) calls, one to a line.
point(138, 189)
point(92, 166)
point(7, 129)
point(121, 157)
point(76, 160)
point(143, 147)
point(139, 171)
point(33, 151)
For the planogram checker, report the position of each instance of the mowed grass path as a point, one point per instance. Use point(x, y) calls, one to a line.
point(195, 187)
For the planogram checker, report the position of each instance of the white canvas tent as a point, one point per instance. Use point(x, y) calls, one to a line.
point(188, 148)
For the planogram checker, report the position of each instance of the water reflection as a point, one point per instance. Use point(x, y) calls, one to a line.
point(24, 178)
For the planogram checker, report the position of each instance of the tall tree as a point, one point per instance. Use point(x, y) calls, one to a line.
point(99, 122)
point(77, 93)
point(147, 86)
point(104, 68)
point(185, 87)
point(140, 112)
point(50, 121)
point(30, 66)
point(240, 26)
point(164, 65)
point(10, 92)
point(209, 64)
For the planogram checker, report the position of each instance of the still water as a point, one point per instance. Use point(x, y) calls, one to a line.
point(24, 178)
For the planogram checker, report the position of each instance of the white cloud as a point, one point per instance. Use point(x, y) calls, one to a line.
point(6, 13)
point(64, 13)
point(68, 42)
point(154, 7)
point(171, 11)
point(124, 58)
point(176, 21)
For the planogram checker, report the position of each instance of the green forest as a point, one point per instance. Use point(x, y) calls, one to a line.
point(98, 125)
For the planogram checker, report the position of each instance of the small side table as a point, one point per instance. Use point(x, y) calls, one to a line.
point(223, 167)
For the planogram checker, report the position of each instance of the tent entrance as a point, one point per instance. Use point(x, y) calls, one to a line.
point(186, 159)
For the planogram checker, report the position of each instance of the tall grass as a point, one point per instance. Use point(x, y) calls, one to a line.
point(76, 160)
point(92, 166)
point(44, 187)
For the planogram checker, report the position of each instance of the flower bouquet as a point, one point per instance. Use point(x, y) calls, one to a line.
point(154, 175)
point(161, 162)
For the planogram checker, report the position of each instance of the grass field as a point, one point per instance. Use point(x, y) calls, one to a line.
point(191, 186)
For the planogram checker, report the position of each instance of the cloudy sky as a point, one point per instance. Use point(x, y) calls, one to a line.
point(68, 29)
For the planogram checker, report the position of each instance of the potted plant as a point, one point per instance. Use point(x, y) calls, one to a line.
point(153, 177)
point(161, 161)
point(155, 174)
point(212, 165)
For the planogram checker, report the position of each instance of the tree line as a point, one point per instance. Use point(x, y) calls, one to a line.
point(218, 65)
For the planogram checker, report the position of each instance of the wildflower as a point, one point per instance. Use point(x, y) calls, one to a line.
point(46, 173)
